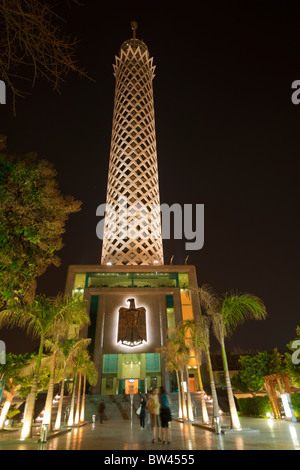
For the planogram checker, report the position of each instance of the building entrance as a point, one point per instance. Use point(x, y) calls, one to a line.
point(139, 371)
point(131, 369)
point(132, 386)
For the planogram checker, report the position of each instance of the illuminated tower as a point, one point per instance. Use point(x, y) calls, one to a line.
point(132, 228)
point(134, 300)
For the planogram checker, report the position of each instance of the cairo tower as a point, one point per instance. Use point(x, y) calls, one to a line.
point(132, 190)
point(134, 300)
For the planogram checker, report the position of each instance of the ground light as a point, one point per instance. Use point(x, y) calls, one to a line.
point(288, 409)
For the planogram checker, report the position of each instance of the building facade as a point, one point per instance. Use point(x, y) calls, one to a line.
point(125, 355)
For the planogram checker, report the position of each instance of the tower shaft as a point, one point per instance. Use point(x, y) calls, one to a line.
point(132, 228)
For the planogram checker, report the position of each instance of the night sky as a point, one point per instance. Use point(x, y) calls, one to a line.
point(227, 137)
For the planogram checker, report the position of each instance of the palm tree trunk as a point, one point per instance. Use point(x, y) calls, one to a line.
point(49, 400)
point(71, 415)
point(202, 393)
point(78, 400)
point(25, 408)
point(184, 410)
point(83, 400)
point(212, 385)
point(61, 398)
point(190, 413)
point(5, 408)
point(180, 415)
point(235, 423)
point(48, 405)
point(27, 425)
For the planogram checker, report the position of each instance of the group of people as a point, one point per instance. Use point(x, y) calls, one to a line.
point(159, 412)
point(160, 415)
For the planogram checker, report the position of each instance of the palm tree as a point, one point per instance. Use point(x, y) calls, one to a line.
point(181, 382)
point(89, 373)
point(77, 411)
point(184, 353)
point(72, 405)
point(57, 366)
point(194, 331)
point(49, 399)
point(204, 324)
point(83, 365)
point(44, 317)
point(203, 327)
point(170, 353)
point(227, 312)
point(66, 354)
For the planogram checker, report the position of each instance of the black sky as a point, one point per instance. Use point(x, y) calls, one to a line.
point(227, 137)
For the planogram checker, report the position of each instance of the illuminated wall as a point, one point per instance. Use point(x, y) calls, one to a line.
point(163, 293)
point(110, 303)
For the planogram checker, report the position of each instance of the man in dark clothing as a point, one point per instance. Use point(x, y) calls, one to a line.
point(101, 408)
point(143, 412)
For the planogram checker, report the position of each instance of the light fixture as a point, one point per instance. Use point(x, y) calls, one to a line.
point(132, 343)
point(288, 410)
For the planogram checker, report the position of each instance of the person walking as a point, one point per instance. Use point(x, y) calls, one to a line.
point(154, 410)
point(148, 418)
point(165, 416)
point(143, 412)
point(101, 408)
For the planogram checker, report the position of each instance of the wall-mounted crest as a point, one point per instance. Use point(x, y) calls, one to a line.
point(132, 325)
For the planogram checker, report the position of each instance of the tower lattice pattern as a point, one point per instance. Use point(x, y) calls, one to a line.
point(132, 228)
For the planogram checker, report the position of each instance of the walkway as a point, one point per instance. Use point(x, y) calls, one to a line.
point(126, 435)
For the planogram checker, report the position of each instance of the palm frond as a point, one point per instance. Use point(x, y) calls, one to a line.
point(237, 307)
point(209, 299)
point(45, 315)
point(29, 369)
point(204, 326)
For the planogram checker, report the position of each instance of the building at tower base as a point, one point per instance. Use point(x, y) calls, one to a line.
point(133, 310)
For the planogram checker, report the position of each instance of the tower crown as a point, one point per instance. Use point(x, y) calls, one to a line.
point(132, 229)
point(134, 44)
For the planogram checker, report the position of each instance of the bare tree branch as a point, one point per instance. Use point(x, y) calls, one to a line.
point(32, 45)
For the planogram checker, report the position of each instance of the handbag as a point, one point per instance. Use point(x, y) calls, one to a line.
point(138, 411)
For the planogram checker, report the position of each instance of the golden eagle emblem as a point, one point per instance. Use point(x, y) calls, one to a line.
point(132, 325)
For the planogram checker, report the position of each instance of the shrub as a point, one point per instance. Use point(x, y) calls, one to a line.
point(295, 399)
point(255, 406)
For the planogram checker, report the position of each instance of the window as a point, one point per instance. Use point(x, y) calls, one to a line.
point(170, 315)
point(186, 305)
point(110, 363)
point(153, 279)
point(79, 283)
point(152, 362)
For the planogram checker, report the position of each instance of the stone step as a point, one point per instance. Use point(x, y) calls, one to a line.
point(118, 406)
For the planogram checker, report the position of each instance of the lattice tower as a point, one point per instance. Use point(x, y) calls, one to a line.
point(132, 227)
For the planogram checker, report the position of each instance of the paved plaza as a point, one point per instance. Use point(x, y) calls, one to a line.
point(126, 435)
